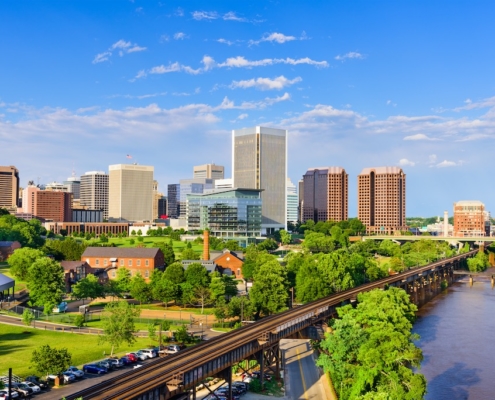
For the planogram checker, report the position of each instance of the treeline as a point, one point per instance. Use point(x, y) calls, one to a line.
point(27, 233)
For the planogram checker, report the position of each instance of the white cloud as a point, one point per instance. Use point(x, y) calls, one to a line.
point(162, 69)
point(471, 105)
point(180, 36)
point(274, 37)
point(250, 105)
point(265, 83)
point(404, 162)
point(208, 15)
point(122, 46)
point(164, 38)
point(432, 159)
point(445, 164)
point(179, 12)
point(350, 55)
point(231, 16)
point(225, 41)
point(418, 136)
point(242, 116)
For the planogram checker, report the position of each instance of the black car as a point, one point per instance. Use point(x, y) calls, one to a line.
point(37, 381)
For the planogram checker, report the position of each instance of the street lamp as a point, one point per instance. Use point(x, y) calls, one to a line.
point(201, 325)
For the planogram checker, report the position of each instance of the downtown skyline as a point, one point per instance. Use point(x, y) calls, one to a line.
point(357, 85)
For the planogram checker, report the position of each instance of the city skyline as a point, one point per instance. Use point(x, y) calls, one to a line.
point(357, 85)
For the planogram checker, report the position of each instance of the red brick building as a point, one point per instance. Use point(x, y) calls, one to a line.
point(7, 248)
point(53, 205)
point(469, 218)
point(143, 260)
point(230, 260)
point(76, 270)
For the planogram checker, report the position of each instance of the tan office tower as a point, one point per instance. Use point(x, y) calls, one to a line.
point(157, 196)
point(130, 192)
point(325, 194)
point(382, 199)
point(259, 161)
point(9, 187)
point(209, 171)
point(93, 191)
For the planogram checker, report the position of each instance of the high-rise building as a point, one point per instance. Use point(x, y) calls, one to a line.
point(53, 205)
point(469, 218)
point(223, 183)
point(28, 199)
point(9, 187)
point(209, 171)
point(130, 192)
point(325, 194)
point(382, 199)
point(292, 202)
point(173, 195)
point(157, 196)
point(259, 161)
point(73, 184)
point(188, 186)
point(56, 186)
point(162, 206)
point(300, 185)
point(94, 191)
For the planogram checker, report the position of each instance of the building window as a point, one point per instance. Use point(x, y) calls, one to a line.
point(138, 263)
point(130, 263)
point(146, 274)
point(97, 261)
point(105, 262)
point(113, 274)
point(122, 262)
point(147, 262)
point(238, 272)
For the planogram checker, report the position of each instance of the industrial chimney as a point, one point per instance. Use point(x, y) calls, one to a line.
point(206, 244)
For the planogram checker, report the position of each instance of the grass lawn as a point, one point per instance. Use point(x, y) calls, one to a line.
point(18, 343)
point(5, 270)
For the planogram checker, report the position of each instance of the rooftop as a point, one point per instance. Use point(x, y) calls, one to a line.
point(381, 170)
point(116, 252)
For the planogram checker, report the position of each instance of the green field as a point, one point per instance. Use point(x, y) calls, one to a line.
point(18, 343)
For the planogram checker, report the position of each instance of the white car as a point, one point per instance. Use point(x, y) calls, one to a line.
point(149, 352)
point(141, 355)
point(4, 394)
point(74, 371)
point(35, 388)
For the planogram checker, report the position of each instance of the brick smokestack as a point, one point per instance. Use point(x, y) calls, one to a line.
point(206, 245)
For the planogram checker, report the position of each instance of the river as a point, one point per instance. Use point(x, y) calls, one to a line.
point(456, 329)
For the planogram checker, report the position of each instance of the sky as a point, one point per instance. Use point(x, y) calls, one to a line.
point(356, 83)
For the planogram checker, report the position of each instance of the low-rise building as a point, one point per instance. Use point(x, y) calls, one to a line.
point(74, 271)
point(7, 248)
point(136, 260)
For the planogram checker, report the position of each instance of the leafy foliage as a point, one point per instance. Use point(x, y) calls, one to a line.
point(46, 283)
point(67, 249)
point(22, 259)
point(478, 263)
point(27, 233)
point(47, 360)
point(88, 288)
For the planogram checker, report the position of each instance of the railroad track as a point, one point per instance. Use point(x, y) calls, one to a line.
point(159, 371)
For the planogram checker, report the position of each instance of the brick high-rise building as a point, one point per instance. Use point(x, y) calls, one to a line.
point(469, 218)
point(325, 194)
point(259, 161)
point(53, 205)
point(9, 187)
point(382, 199)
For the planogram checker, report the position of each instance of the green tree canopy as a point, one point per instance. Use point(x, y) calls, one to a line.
point(197, 275)
point(174, 273)
point(46, 283)
point(168, 253)
point(140, 290)
point(189, 254)
point(88, 288)
point(22, 259)
point(47, 360)
point(123, 280)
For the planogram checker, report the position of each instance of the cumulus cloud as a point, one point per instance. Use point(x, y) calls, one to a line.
point(432, 159)
point(180, 36)
point(212, 15)
point(404, 162)
point(445, 164)
point(418, 136)
point(122, 47)
point(274, 37)
point(278, 83)
point(225, 41)
point(243, 116)
point(350, 55)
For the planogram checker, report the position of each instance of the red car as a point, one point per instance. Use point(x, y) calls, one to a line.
point(132, 357)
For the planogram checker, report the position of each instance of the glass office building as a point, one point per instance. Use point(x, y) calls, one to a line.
point(228, 213)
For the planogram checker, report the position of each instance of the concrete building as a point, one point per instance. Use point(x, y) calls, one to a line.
point(157, 196)
point(292, 202)
point(53, 205)
point(228, 213)
point(28, 195)
point(209, 171)
point(223, 183)
point(87, 215)
point(300, 186)
point(469, 218)
point(382, 199)
point(73, 185)
point(9, 187)
point(189, 186)
point(94, 191)
point(259, 161)
point(57, 186)
point(130, 192)
point(173, 196)
point(325, 194)
point(88, 227)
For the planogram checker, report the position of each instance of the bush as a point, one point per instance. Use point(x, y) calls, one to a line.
point(255, 386)
point(79, 320)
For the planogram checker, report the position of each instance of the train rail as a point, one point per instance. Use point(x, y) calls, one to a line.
point(159, 371)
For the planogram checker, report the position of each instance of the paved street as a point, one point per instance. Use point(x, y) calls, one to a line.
point(303, 380)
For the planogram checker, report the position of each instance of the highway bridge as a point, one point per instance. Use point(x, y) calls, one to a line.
point(169, 377)
point(409, 238)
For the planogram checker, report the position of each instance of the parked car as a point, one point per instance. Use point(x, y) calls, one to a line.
point(132, 356)
point(257, 375)
point(62, 307)
point(94, 369)
point(22, 389)
point(240, 386)
point(4, 395)
point(125, 360)
point(115, 362)
point(75, 371)
point(172, 349)
point(105, 364)
point(38, 382)
point(149, 353)
point(141, 355)
point(65, 377)
point(34, 388)
point(236, 395)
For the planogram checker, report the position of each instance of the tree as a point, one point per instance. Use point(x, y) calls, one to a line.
point(79, 320)
point(47, 360)
point(269, 293)
point(118, 325)
point(202, 297)
point(478, 263)
point(88, 288)
point(232, 245)
point(123, 280)
point(285, 237)
point(27, 317)
point(174, 273)
point(22, 259)
point(371, 348)
point(197, 275)
point(181, 334)
point(168, 253)
point(46, 283)
point(187, 293)
point(139, 289)
point(139, 232)
point(166, 291)
point(189, 254)
point(222, 286)
point(268, 244)
point(103, 238)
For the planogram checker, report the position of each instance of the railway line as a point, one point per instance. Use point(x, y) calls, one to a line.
point(161, 371)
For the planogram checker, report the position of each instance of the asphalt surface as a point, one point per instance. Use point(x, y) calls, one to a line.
point(303, 380)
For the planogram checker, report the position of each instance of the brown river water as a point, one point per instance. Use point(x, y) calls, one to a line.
point(457, 330)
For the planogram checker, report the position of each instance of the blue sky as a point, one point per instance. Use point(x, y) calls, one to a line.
point(356, 83)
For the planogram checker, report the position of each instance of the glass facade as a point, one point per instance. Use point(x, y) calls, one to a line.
point(227, 213)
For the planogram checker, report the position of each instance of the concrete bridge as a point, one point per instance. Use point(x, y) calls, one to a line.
point(178, 375)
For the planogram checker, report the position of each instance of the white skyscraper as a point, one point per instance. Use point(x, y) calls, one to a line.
point(130, 192)
point(94, 191)
point(259, 161)
point(292, 202)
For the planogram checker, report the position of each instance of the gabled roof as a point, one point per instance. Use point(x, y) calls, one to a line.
point(116, 252)
point(230, 253)
point(68, 265)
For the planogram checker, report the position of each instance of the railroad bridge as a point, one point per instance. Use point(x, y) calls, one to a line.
point(173, 376)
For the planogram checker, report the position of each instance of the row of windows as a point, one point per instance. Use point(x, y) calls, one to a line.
point(122, 262)
point(132, 273)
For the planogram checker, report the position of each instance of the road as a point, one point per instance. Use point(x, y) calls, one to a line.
point(303, 381)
